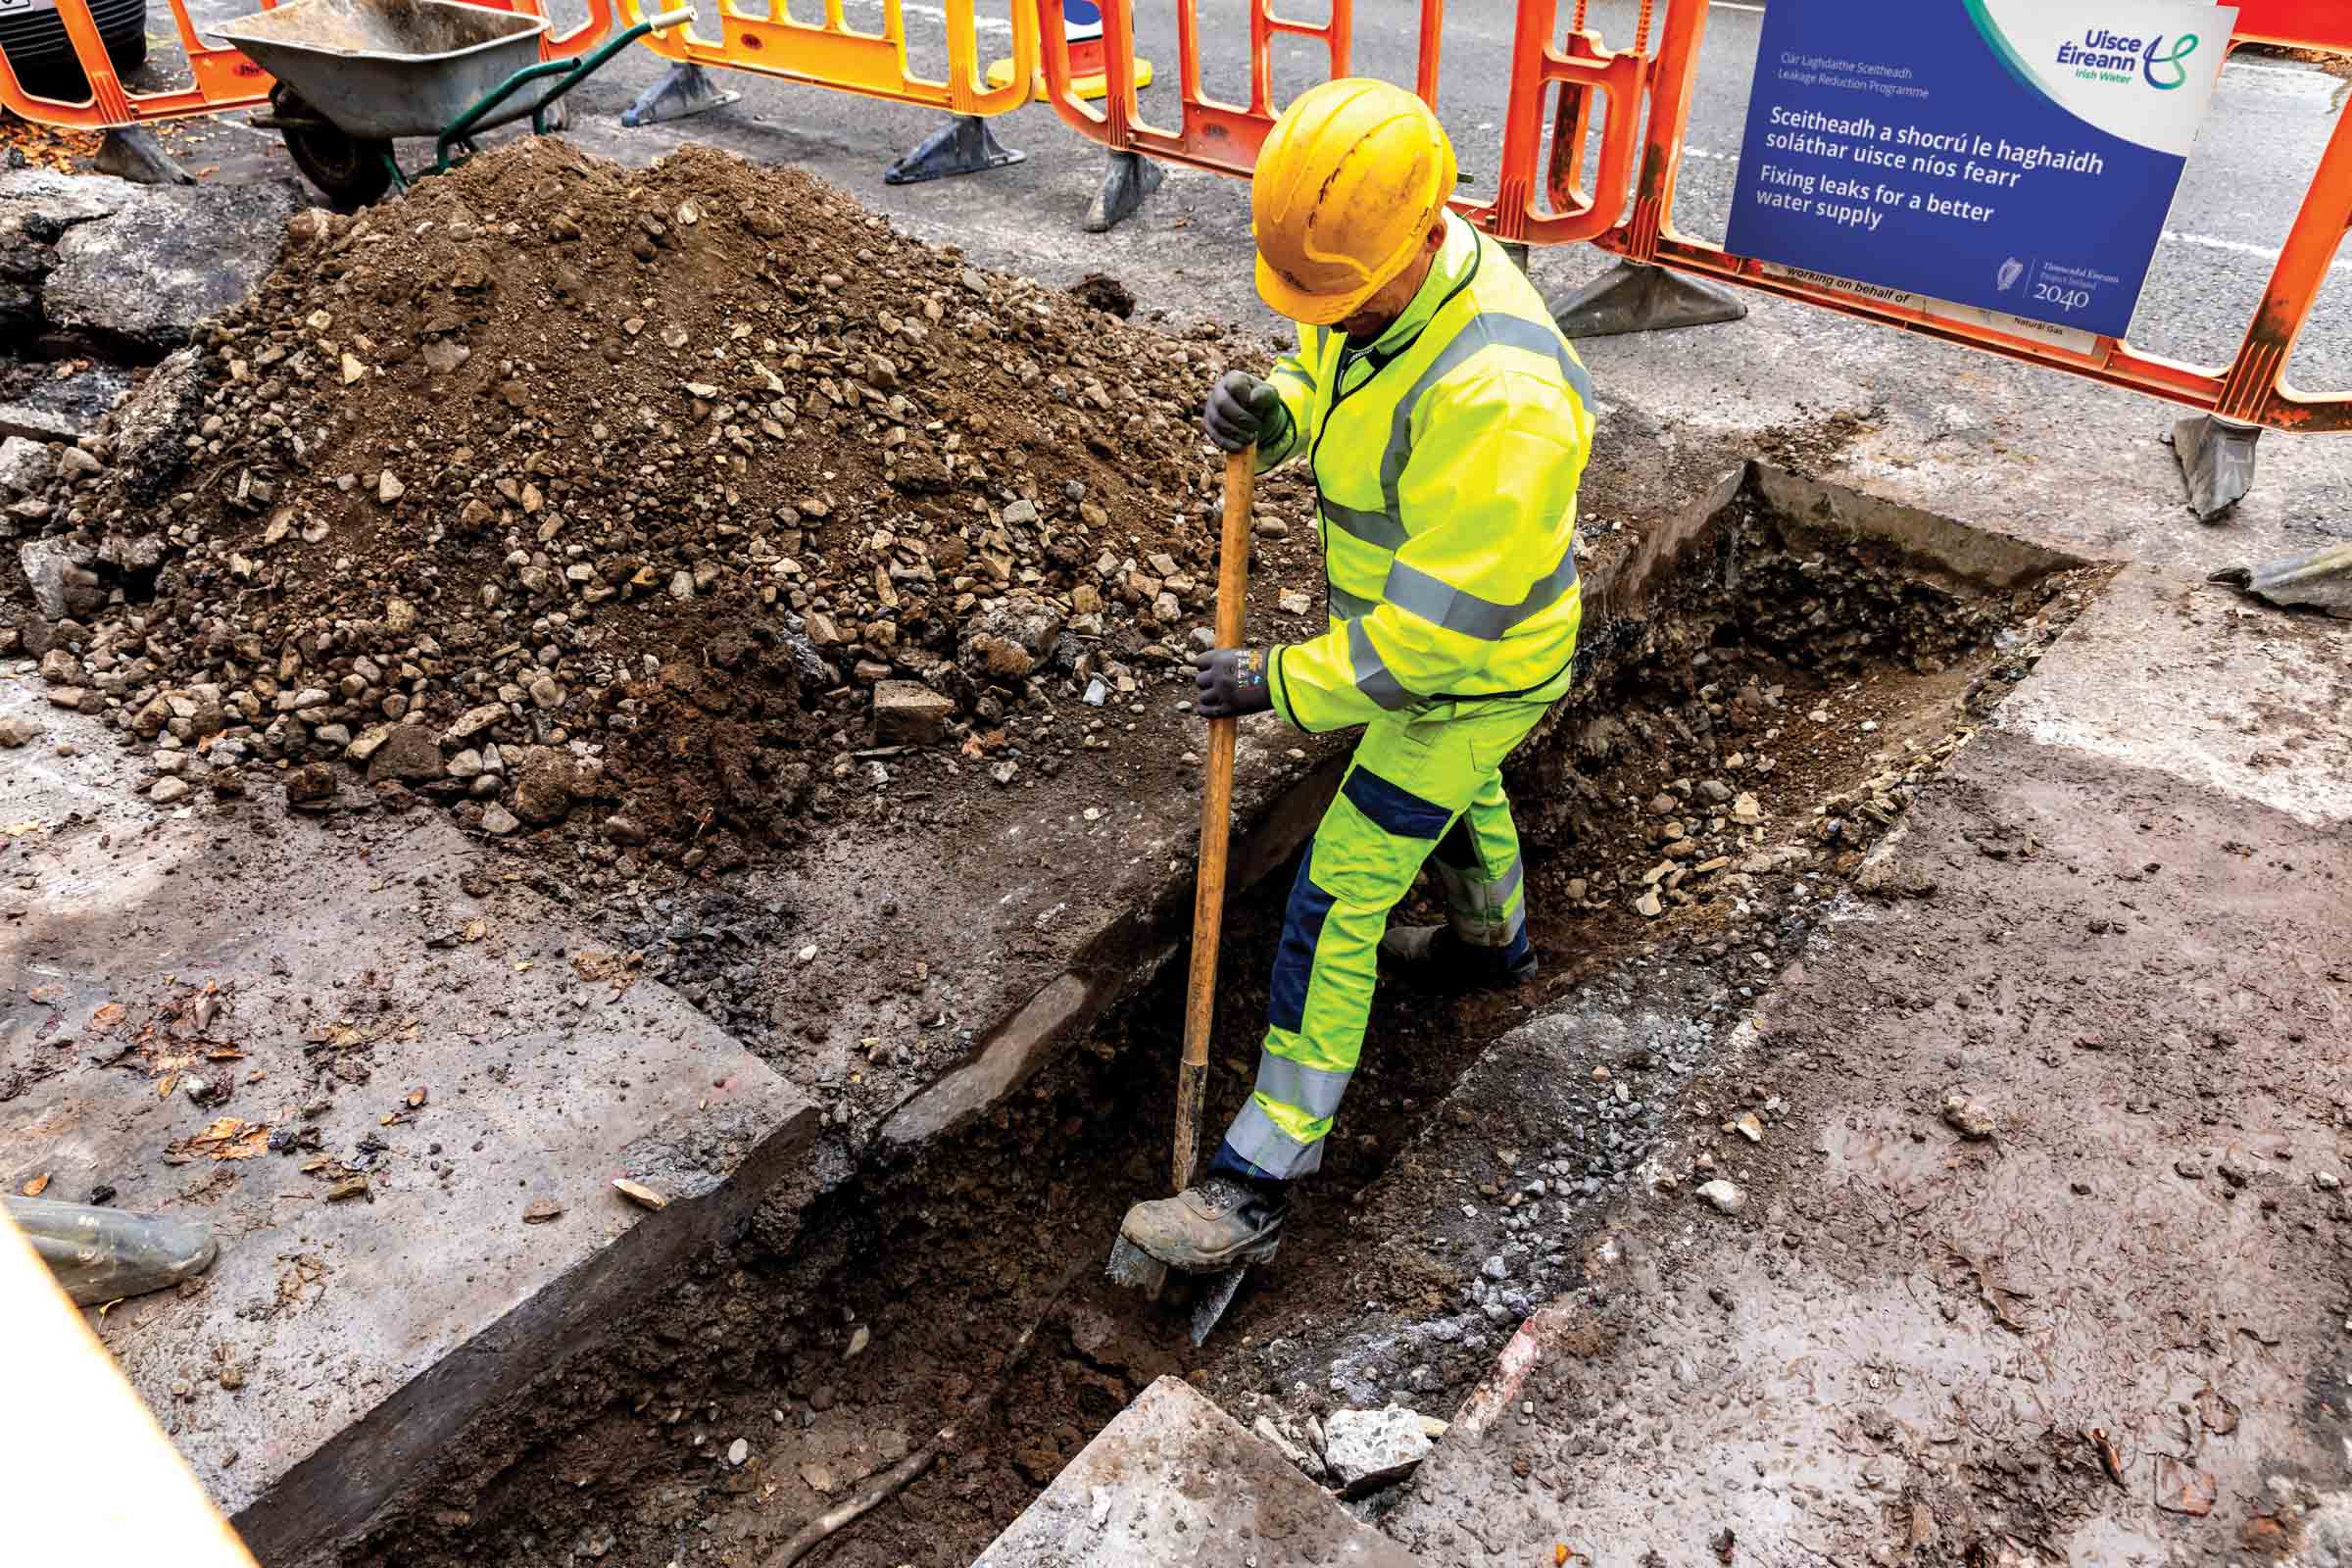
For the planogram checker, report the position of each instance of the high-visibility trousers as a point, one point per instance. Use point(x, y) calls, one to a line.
point(1426, 789)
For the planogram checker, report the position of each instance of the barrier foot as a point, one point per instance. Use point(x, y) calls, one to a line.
point(1130, 178)
point(2217, 462)
point(684, 89)
point(1632, 297)
point(131, 152)
point(963, 145)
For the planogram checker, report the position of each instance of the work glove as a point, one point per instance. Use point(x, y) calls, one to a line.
point(1232, 681)
point(1243, 408)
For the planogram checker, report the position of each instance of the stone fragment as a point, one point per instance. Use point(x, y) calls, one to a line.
point(910, 714)
point(314, 781)
point(1967, 1118)
point(60, 588)
point(547, 779)
point(1367, 1449)
point(16, 732)
point(1272, 1436)
point(499, 821)
point(1724, 1196)
point(472, 722)
point(24, 466)
point(406, 754)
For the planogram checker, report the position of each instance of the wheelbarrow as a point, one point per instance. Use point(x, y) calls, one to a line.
point(352, 74)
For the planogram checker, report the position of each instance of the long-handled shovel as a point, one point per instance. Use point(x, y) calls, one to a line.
point(1129, 1264)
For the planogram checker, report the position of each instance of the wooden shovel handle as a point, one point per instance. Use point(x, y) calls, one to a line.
point(1216, 822)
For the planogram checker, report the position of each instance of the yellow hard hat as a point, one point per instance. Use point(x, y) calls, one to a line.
point(1348, 181)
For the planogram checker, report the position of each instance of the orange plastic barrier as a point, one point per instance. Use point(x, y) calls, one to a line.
point(1625, 113)
point(833, 54)
point(2248, 390)
point(222, 79)
point(1536, 205)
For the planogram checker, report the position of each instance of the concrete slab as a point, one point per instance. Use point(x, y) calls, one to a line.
point(423, 1081)
point(1175, 1480)
point(2189, 679)
point(2111, 1331)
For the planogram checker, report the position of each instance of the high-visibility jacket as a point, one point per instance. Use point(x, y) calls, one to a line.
point(1445, 456)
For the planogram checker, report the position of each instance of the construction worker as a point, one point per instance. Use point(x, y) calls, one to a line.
point(1447, 422)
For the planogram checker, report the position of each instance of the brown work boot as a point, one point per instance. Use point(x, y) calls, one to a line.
point(1213, 1224)
point(1433, 958)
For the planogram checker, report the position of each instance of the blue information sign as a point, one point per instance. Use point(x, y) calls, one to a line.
point(2019, 155)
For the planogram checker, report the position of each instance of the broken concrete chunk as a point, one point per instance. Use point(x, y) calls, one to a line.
point(1724, 1196)
point(165, 258)
point(1368, 1450)
point(24, 466)
point(60, 588)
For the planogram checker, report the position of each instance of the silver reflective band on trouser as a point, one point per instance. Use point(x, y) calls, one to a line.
point(1458, 610)
point(1314, 1090)
point(1372, 676)
point(1477, 907)
point(1348, 606)
point(1254, 1137)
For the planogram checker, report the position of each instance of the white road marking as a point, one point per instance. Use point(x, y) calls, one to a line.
point(2240, 247)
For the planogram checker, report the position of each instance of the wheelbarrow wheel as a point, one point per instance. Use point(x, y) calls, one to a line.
point(352, 170)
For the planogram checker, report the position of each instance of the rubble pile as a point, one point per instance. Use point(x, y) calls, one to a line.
point(636, 502)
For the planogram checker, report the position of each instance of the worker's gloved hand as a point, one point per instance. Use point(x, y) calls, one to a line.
point(1243, 408)
point(1231, 682)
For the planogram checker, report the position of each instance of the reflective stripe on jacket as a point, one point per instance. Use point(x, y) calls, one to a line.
point(1445, 459)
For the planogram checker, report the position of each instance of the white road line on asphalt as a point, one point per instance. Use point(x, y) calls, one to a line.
point(2240, 247)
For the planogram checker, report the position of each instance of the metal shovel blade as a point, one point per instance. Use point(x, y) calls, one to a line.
point(1216, 1295)
point(1135, 1269)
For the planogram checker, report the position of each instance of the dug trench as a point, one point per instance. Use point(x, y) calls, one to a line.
point(1766, 680)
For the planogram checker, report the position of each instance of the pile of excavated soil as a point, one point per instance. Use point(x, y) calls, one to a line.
point(633, 504)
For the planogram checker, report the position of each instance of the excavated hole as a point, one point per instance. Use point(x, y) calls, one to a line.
point(852, 1322)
